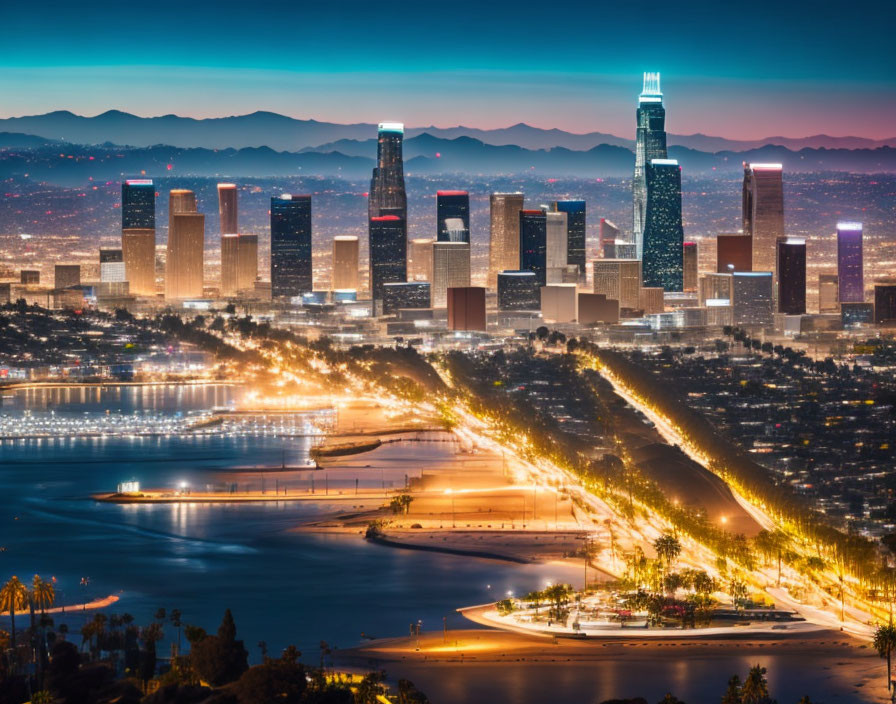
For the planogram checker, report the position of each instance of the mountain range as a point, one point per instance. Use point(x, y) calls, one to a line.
point(282, 133)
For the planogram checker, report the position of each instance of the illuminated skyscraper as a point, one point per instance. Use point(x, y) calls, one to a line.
point(763, 212)
point(663, 236)
point(239, 263)
point(575, 231)
point(138, 204)
point(186, 256)
point(885, 302)
point(850, 262)
point(504, 234)
point(556, 233)
point(180, 200)
point(608, 233)
point(690, 266)
point(828, 293)
point(650, 144)
point(450, 269)
point(290, 245)
point(112, 266)
point(420, 259)
point(453, 204)
point(751, 298)
point(518, 290)
point(405, 294)
point(791, 267)
point(618, 280)
point(533, 243)
point(387, 191)
point(734, 252)
point(227, 211)
point(388, 254)
point(345, 263)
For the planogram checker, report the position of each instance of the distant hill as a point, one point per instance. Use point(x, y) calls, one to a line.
point(17, 140)
point(282, 133)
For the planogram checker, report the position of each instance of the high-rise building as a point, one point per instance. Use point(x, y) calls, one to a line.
point(29, 277)
point(715, 287)
point(662, 265)
point(734, 252)
point(690, 266)
point(556, 234)
point(518, 290)
point(138, 249)
point(885, 302)
point(420, 259)
point(651, 300)
point(230, 257)
point(387, 191)
point(559, 303)
point(650, 144)
point(180, 200)
point(450, 269)
point(227, 211)
point(112, 266)
point(453, 205)
point(619, 250)
point(763, 212)
point(751, 298)
point(619, 280)
point(791, 268)
point(850, 262)
point(67, 275)
point(504, 234)
point(291, 273)
point(533, 243)
point(247, 263)
point(388, 254)
point(138, 204)
point(608, 232)
point(345, 263)
point(405, 294)
point(575, 231)
point(828, 293)
point(186, 256)
point(466, 308)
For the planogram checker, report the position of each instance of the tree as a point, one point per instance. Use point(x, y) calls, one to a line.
point(732, 694)
point(409, 694)
point(541, 332)
point(885, 643)
point(13, 596)
point(281, 680)
point(370, 688)
point(221, 658)
point(667, 548)
point(755, 689)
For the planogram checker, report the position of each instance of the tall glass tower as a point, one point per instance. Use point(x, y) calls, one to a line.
point(763, 212)
point(850, 265)
point(138, 204)
point(453, 205)
point(387, 184)
point(290, 245)
point(533, 243)
point(662, 265)
point(650, 143)
point(575, 231)
point(388, 246)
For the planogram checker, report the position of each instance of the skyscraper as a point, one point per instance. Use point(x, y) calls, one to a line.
point(405, 294)
point(575, 231)
point(239, 263)
point(662, 265)
point(533, 243)
point(556, 233)
point(751, 298)
point(466, 308)
point(518, 290)
point(690, 266)
point(227, 211)
point(828, 293)
point(791, 267)
point(180, 200)
point(138, 204)
point(290, 245)
point(420, 259)
point(388, 254)
point(450, 269)
point(112, 266)
point(186, 256)
point(618, 280)
point(885, 302)
point(650, 144)
point(850, 262)
point(734, 252)
point(504, 234)
point(608, 233)
point(387, 189)
point(345, 263)
point(453, 204)
point(763, 212)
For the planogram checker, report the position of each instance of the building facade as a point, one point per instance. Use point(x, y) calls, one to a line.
point(450, 269)
point(504, 234)
point(518, 290)
point(388, 246)
point(387, 190)
point(227, 208)
point(576, 230)
point(763, 213)
point(650, 144)
point(346, 258)
point(453, 205)
point(734, 252)
point(618, 280)
point(690, 265)
point(850, 262)
point(184, 270)
point(533, 243)
point(791, 267)
point(291, 271)
point(662, 265)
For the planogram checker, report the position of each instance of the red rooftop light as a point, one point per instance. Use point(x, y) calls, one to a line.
point(452, 193)
point(384, 218)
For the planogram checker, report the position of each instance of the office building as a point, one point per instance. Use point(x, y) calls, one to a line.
point(405, 294)
point(30, 277)
point(558, 303)
point(186, 256)
point(791, 268)
point(885, 303)
point(596, 308)
point(751, 298)
point(619, 250)
point(138, 250)
point(227, 213)
point(239, 263)
point(518, 290)
point(388, 247)
point(852, 314)
point(618, 280)
point(850, 262)
point(651, 300)
point(734, 252)
point(387, 190)
point(453, 205)
point(575, 231)
point(466, 308)
point(763, 213)
point(533, 243)
point(608, 232)
point(180, 200)
point(346, 260)
point(662, 265)
point(715, 287)
point(828, 293)
point(138, 204)
point(450, 269)
point(650, 144)
point(67, 275)
point(291, 273)
point(504, 234)
point(555, 246)
point(689, 262)
point(420, 259)
point(112, 266)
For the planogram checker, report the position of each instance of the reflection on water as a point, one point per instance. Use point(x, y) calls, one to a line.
point(123, 399)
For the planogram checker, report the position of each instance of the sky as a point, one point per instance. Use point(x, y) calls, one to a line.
point(737, 70)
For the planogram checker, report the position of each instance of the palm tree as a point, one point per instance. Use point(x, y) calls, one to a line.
point(667, 547)
point(43, 593)
point(885, 643)
point(13, 596)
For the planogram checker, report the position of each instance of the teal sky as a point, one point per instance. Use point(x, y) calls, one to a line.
point(733, 70)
